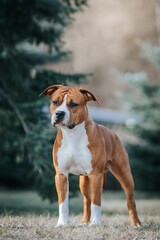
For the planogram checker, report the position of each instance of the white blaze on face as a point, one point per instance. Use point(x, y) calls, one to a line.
point(62, 107)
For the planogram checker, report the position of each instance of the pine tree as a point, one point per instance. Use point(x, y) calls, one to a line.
point(143, 100)
point(26, 135)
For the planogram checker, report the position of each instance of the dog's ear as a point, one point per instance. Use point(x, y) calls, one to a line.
point(90, 96)
point(48, 91)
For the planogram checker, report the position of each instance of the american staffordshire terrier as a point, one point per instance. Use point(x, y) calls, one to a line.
point(86, 149)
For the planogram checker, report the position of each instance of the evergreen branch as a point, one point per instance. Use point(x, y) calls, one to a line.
point(41, 58)
point(59, 78)
point(16, 110)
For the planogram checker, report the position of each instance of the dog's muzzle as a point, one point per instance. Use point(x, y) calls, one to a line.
point(60, 116)
point(60, 119)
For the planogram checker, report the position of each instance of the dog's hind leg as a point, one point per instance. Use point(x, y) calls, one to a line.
point(85, 190)
point(95, 181)
point(124, 176)
point(104, 181)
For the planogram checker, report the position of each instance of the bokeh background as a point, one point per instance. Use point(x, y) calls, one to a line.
point(110, 47)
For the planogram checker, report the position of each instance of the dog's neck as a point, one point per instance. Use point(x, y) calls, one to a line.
point(75, 134)
point(79, 130)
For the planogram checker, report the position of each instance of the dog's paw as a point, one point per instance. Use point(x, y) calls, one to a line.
point(95, 223)
point(61, 223)
point(82, 224)
point(137, 226)
point(84, 220)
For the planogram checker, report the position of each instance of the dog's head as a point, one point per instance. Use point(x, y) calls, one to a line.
point(68, 105)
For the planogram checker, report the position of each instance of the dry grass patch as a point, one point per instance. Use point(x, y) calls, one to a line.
point(23, 215)
point(115, 227)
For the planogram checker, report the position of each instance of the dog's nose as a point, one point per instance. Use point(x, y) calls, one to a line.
point(60, 115)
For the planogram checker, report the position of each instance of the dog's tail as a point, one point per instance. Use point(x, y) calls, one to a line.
point(103, 180)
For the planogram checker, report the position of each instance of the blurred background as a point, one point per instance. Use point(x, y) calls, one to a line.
point(110, 47)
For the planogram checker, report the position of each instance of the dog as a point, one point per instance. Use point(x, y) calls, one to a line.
point(86, 149)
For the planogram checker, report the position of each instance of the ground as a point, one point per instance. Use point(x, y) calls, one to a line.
point(23, 215)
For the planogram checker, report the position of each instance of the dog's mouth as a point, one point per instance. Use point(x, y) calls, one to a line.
point(59, 123)
point(71, 126)
point(62, 124)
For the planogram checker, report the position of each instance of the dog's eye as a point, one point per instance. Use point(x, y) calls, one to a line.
point(55, 102)
point(73, 105)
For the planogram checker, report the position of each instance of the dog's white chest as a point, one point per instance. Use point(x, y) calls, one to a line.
point(73, 155)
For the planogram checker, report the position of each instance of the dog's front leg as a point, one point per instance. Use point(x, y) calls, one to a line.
point(62, 187)
point(95, 181)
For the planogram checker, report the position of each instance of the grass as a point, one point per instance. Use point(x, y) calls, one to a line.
point(24, 215)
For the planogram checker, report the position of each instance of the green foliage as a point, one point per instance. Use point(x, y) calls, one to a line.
point(26, 135)
point(143, 99)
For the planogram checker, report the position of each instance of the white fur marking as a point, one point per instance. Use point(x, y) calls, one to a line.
point(73, 155)
point(62, 107)
point(95, 215)
point(63, 210)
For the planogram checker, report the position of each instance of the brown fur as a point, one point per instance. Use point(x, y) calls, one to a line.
point(106, 149)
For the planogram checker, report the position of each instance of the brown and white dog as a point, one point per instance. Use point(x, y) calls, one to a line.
point(86, 149)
